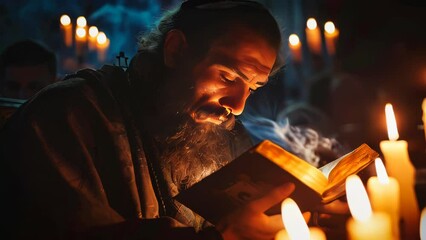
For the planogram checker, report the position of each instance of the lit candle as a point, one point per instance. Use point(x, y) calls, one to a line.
point(93, 33)
point(384, 194)
point(102, 44)
point(81, 22)
point(313, 36)
point(423, 225)
point(80, 40)
point(399, 166)
point(295, 47)
point(330, 35)
point(66, 27)
point(424, 115)
point(295, 225)
point(364, 224)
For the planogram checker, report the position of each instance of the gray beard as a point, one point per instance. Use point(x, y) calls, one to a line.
point(194, 152)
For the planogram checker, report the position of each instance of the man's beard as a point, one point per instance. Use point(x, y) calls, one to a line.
point(195, 151)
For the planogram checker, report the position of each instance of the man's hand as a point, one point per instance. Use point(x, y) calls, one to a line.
point(250, 221)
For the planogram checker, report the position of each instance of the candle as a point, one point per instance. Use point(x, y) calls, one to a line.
point(295, 225)
point(81, 22)
point(364, 224)
point(80, 40)
point(399, 166)
point(423, 225)
point(102, 44)
point(330, 35)
point(295, 47)
point(384, 194)
point(424, 115)
point(93, 33)
point(66, 28)
point(313, 36)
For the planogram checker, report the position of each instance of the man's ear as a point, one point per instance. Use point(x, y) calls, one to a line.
point(174, 46)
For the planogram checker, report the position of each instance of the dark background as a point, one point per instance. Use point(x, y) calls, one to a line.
point(380, 57)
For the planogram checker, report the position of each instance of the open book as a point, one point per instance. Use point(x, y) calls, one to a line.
point(266, 166)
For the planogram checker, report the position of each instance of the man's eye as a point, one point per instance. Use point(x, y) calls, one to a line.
point(226, 79)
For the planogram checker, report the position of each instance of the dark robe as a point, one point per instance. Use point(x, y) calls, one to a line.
point(73, 166)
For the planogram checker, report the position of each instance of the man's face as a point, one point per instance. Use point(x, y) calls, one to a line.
point(22, 82)
point(215, 88)
point(237, 64)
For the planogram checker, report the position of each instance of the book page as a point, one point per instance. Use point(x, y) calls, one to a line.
point(326, 169)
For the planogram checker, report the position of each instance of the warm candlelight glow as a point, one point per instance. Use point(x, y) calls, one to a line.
point(313, 36)
point(329, 27)
point(311, 23)
point(93, 31)
point(65, 20)
point(358, 202)
point(423, 225)
point(424, 115)
point(381, 171)
point(101, 38)
point(81, 21)
point(391, 123)
point(80, 32)
point(293, 220)
point(294, 39)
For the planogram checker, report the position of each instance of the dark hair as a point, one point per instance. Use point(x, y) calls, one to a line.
point(27, 53)
point(202, 21)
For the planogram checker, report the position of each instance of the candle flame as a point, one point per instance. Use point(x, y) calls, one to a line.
point(293, 220)
point(65, 20)
point(329, 27)
point(359, 204)
point(391, 123)
point(81, 21)
point(381, 171)
point(423, 225)
point(101, 39)
point(293, 39)
point(311, 23)
point(80, 32)
point(93, 31)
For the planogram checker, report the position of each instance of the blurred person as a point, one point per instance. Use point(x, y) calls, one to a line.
point(25, 68)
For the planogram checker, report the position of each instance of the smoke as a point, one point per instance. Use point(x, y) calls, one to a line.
point(300, 139)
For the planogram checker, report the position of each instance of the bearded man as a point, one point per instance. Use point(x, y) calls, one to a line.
point(102, 153)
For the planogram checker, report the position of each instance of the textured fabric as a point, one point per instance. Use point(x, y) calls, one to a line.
point(73, 166)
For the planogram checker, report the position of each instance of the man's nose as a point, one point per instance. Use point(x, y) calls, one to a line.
point(235, 100)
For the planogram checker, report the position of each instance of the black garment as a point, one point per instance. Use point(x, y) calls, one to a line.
point(73, 166)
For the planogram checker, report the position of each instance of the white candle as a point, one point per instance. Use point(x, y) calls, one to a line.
point(364, 224)
point(295, 47)
point(66, 27)
point(399, 166)
point(330, 34)
point(93, 33)
point(80, 40)
point(384, 195)
point(102, 44)
point(295, 225)
point(313, 36)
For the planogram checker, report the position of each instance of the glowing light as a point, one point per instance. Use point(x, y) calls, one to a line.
point(93, 31)
point(329, 27)
point(381, 171)
point(65, 20)
point(293, 39)
point(391, 123)
point(101, 38)
point(293, 220)
point(311, 23)
point(81, 21)
point(80, 32)
point(423, 225)
point(359, 204)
